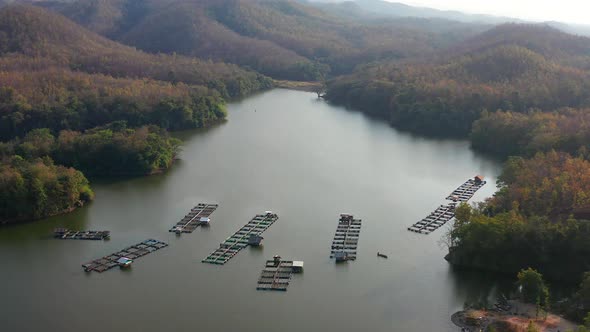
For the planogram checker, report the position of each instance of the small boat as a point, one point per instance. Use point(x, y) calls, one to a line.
point(124, 262)
point(178, 230)
point(381, 255)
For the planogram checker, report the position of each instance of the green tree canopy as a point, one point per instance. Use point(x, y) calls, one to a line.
point(532, 286)
point(583, 294)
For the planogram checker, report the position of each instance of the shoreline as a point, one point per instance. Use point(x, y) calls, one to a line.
point(14, 222)
point(298, 85)
point(515, 315)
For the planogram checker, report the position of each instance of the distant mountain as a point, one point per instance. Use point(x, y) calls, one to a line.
point(382, 8)
point(33, 38)
point(221, 30)
point(576, 29)
point(370, 9)
point(513, 67)
point(280, 38)
point(543, 39)
point(353, 9)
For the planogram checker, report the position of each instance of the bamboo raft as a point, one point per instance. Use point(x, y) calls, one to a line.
point(346, 238)
point(196, 217)
point(276, 275)
point(67, 234)
point(466, 191)
point(435, 220)
point(133, 252)
point(240, 239)
point(444, 213)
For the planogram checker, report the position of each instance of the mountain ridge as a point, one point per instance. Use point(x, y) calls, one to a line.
point(280, 38)
point(381, 8)
point(515, 67)
point(42, 35)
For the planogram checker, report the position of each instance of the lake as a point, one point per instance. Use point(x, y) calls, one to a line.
point(284, 151)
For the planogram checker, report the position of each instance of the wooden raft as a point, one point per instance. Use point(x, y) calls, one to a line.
point(346, 238)
point(435, 220)
point(444, 213)
point(239, 240)
point(466, 191)
point(67, 234)
point(133, 252)
point(192, 220)
point(275, 276)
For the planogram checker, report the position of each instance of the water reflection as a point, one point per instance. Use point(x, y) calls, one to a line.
point(480, 288)
point(43, 229)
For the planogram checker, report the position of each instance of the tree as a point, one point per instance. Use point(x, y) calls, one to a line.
point(37, 189)
point(585, 327)
point(37, 143)
point(532, 327)
point(583, 294)
point(532, 287)
point(320, 88)
point(463, 213)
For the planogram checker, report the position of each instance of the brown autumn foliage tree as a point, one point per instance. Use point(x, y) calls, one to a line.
point(511, 133)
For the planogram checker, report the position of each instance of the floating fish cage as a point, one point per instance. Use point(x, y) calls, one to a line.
point(126, 255)
point(346, 239)
point(198, 216)
point(249, 234)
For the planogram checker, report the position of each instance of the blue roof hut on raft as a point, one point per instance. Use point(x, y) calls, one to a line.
point(255, 240)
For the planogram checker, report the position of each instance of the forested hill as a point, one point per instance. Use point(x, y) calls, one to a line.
point(391, 9)
point(550, 42)
point(57, 74)
point(48, 39)
point(444, 95)
point(70, 95)
point(280, 38)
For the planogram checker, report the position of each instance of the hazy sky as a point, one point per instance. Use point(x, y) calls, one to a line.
point(573, 11)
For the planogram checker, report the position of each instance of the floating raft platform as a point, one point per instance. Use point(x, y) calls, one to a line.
point(67, 234)
point(196, 217)
point(276, 275)
point(466, 191)
point(435, 220)
point(233, 244)
point(133, 252)
point(346, 238)
point(444, 213)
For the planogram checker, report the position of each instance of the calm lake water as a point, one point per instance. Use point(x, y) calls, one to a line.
point(284, 151)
